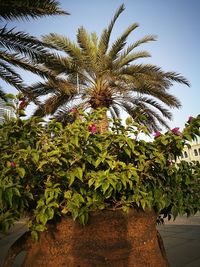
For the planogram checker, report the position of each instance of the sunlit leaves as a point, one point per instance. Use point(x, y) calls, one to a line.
point(52, 171)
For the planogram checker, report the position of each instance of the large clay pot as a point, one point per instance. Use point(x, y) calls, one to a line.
point(111, 238)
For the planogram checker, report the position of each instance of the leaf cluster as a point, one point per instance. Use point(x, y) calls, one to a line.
point(49, 171)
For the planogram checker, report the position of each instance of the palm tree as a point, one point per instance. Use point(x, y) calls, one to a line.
point(19, 49)
point(95, 74)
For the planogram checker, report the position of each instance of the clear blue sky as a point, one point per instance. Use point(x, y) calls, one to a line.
point(175, 22)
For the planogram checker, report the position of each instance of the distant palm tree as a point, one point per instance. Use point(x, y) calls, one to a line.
point(19, 49)
point(95, 74)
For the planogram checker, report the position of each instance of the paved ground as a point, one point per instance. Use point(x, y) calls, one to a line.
point(181, 239)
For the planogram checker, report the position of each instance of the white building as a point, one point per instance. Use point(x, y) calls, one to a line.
point(192, 153)
point(5, 111)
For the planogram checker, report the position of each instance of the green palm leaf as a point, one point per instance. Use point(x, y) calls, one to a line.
point(21, 9)
point(105, 37)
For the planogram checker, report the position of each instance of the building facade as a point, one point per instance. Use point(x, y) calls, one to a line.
point(192, 153)
point(5, 111)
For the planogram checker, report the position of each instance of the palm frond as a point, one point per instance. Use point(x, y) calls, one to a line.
point(61, 43)
point(123, 61)
point(9, 76)
point(145, 100)
point(88, 49)
point(119, 44)
point(105, 37)
point(64, 115)
point(176, 77)
point(21, 9)
point(145, 39)
point(145, 116)
point(25, 64)
point(23, 43)
point(165, 97)
point(53, 86)
point(115, 112)
point(52, 104)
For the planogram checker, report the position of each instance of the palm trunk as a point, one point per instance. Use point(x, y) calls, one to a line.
point(103, 124)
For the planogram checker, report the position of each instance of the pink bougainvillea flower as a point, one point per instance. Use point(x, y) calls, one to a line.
point(169, 162)
point(13, 164)
point(176, 131)
point(23, 104)
point(92, 128)
point(190, 119)
point(74, 110)
point(157, 134)
point(22, 98)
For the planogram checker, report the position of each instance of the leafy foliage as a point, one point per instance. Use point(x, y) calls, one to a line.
point(49, 171)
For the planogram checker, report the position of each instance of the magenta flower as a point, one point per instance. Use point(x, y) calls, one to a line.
point(169, 162)
point(92, 128)
point(190, 119)
point(23, 103)
point(176, 131)
point(157, 134)
point(13, 164)
point(74, 110)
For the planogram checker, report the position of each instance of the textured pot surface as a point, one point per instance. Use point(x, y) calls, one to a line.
point(111, 238)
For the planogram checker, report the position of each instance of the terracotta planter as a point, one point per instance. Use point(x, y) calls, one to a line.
point(111, 238)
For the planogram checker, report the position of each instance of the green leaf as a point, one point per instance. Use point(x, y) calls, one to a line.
point(35, 157)
point(97, 162)
point(127, 150)
point(21, 172)
point(40, 228)
point(42, 163)
point(91, 182)
point(21, 113)
point(53, 204)
point(35, 235)
point(50, 213)
point(129, 121)
point(11, 96)
point(105, 186)
point(68, 194)
point(71, 177)
point(43, 218)
point(79, 173)
point(9, 195)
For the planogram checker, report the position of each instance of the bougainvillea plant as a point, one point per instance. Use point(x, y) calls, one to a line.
point(49, 171)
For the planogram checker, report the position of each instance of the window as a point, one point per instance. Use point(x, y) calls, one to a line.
point(195, 152)
point(186, 154)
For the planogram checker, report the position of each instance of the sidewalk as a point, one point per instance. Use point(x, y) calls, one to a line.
point(6, 241)
point(181, 239)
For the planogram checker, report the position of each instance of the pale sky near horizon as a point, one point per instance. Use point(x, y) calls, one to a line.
point(175, 22)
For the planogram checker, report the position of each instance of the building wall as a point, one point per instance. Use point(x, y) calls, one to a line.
point(5, 111)
point(192, 153)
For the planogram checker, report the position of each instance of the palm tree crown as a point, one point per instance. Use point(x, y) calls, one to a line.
point(18, 48)
point(95, 74)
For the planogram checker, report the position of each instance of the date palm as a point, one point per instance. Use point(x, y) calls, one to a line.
point(95, 74)
point(19, 49)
